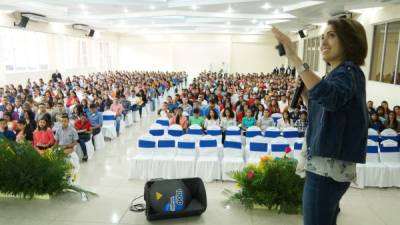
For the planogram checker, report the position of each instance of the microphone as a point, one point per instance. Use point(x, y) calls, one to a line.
point(296, 96)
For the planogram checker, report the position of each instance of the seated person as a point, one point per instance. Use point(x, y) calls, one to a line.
point(84, 129)
point(212, 119)
point(43, 137)
point(24, 133)
point(179, 119)
point(96, 120)
point(265, 121)
point(196, 118)
point(302, 123)
point(4, 132)
point(66, 136)
point(285, 121)
point(375, 123)
point(248, 120)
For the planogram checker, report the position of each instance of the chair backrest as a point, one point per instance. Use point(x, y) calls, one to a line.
point(208, 145)
point(298, 144)
point(276, 116)
point(195, 129)
point(214, 130)
point(163, 121)
point(146, 143)
point(279, 144)
point(175, 130)
point(272, 132)
point(258, 144)
point(156, 130)
point(372, 147)
point(233, 148)
point(166, 145)
point(389, 146)
point(253, 131)
point(290, 132)
point(389, 134)
point(109, 117)
point(232, 131)
point(373, 135)
point(186, 145)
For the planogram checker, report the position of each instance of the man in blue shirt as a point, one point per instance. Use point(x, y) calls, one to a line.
point(96, 120)
point(4, 132)
point(211, 105)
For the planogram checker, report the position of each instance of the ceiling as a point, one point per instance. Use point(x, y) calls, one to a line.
point(189, 16)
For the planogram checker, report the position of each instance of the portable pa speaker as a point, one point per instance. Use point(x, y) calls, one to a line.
point(91, 33)
point(174, 198)
point(24, 21)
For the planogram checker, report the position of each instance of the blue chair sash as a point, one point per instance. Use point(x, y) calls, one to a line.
point(278, 147)
point(109, 117)
point(258, 147)
point(384, 138)
point(208, 143)
point(163, 122)
point(251, 134)
point(232, 144)
point(390, 149)
point(372, 149)
point(290, 134)
point(186, 145)
point(147, 144)
point(214, 132)
point(166, 143)
point(272, 134)
point(374, 138)
point(175, 133)
point(298, 146)
point(232, 132)
point(195, 132)
point(157, 132)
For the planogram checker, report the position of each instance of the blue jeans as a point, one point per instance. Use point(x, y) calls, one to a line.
point(118, 124)
point(321, 197)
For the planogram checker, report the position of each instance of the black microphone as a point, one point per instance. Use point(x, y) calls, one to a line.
point(296, 96)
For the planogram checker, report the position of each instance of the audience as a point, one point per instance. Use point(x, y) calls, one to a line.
point(84, 129)
point(43, 137)
point(66, 135)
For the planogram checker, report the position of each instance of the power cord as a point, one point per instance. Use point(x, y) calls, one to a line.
point(140, 207)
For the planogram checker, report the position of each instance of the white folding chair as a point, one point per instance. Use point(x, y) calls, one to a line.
point(389, 134)
point(140, 164)
point(175, 130)
point(389, 151)
point(216, 132)
point(291, 134)
point(109, 122)
point(373, 135)
point(185, 159)
point(255, 148)
point(195, 131)
point(99, 141)
point(275, 117)
point(156, 130)
point(164, 122)
point(372, 152)
point(297, 147)
point(89, 149)
point(278, 146)
point(232, 132)
point(252, 132)
point(233, 157)
point(208, 166)
point(163, 165)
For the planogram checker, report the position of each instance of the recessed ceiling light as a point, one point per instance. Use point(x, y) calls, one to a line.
point(126, 10)
point(194, 7)
point(277, 11)
point(266, 6)
point(82, 6)
point(228, 23)
point(229, 10)
point(152, 7)
point(254, 21)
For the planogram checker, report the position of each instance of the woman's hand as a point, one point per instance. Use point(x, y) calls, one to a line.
point(282, 38)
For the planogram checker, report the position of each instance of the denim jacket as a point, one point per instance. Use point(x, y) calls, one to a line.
point(338, 115)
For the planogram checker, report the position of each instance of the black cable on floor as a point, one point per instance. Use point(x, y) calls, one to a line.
point(140, 207)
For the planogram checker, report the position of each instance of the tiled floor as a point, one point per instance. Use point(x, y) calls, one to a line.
point(107, 175)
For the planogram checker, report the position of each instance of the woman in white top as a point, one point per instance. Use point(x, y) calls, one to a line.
point(266, 121)
point(228, 119)
point(212, 119)
point(285, 121)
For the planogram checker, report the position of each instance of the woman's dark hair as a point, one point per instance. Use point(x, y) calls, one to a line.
point(215, 114)
point(196, 111)
point(46, 126)
point(353, 39)
point(178, 117)
point(232, 115)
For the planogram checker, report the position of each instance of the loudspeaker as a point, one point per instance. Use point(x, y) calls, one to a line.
point(91, 33)
point(302, 34)
point(24, 21)
point(174, 198)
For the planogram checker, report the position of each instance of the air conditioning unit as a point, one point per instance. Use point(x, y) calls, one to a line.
point(80, 26)
point(35, 17)
point(342, 15)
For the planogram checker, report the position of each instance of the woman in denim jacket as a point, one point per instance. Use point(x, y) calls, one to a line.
point(338, 117)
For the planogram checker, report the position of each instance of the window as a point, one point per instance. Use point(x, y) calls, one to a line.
point(311, 52)
point(385, 55)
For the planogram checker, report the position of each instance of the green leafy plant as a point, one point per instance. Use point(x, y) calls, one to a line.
point(26, 173)
point(272, 184)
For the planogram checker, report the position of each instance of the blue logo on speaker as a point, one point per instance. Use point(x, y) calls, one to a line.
point(176, 202)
